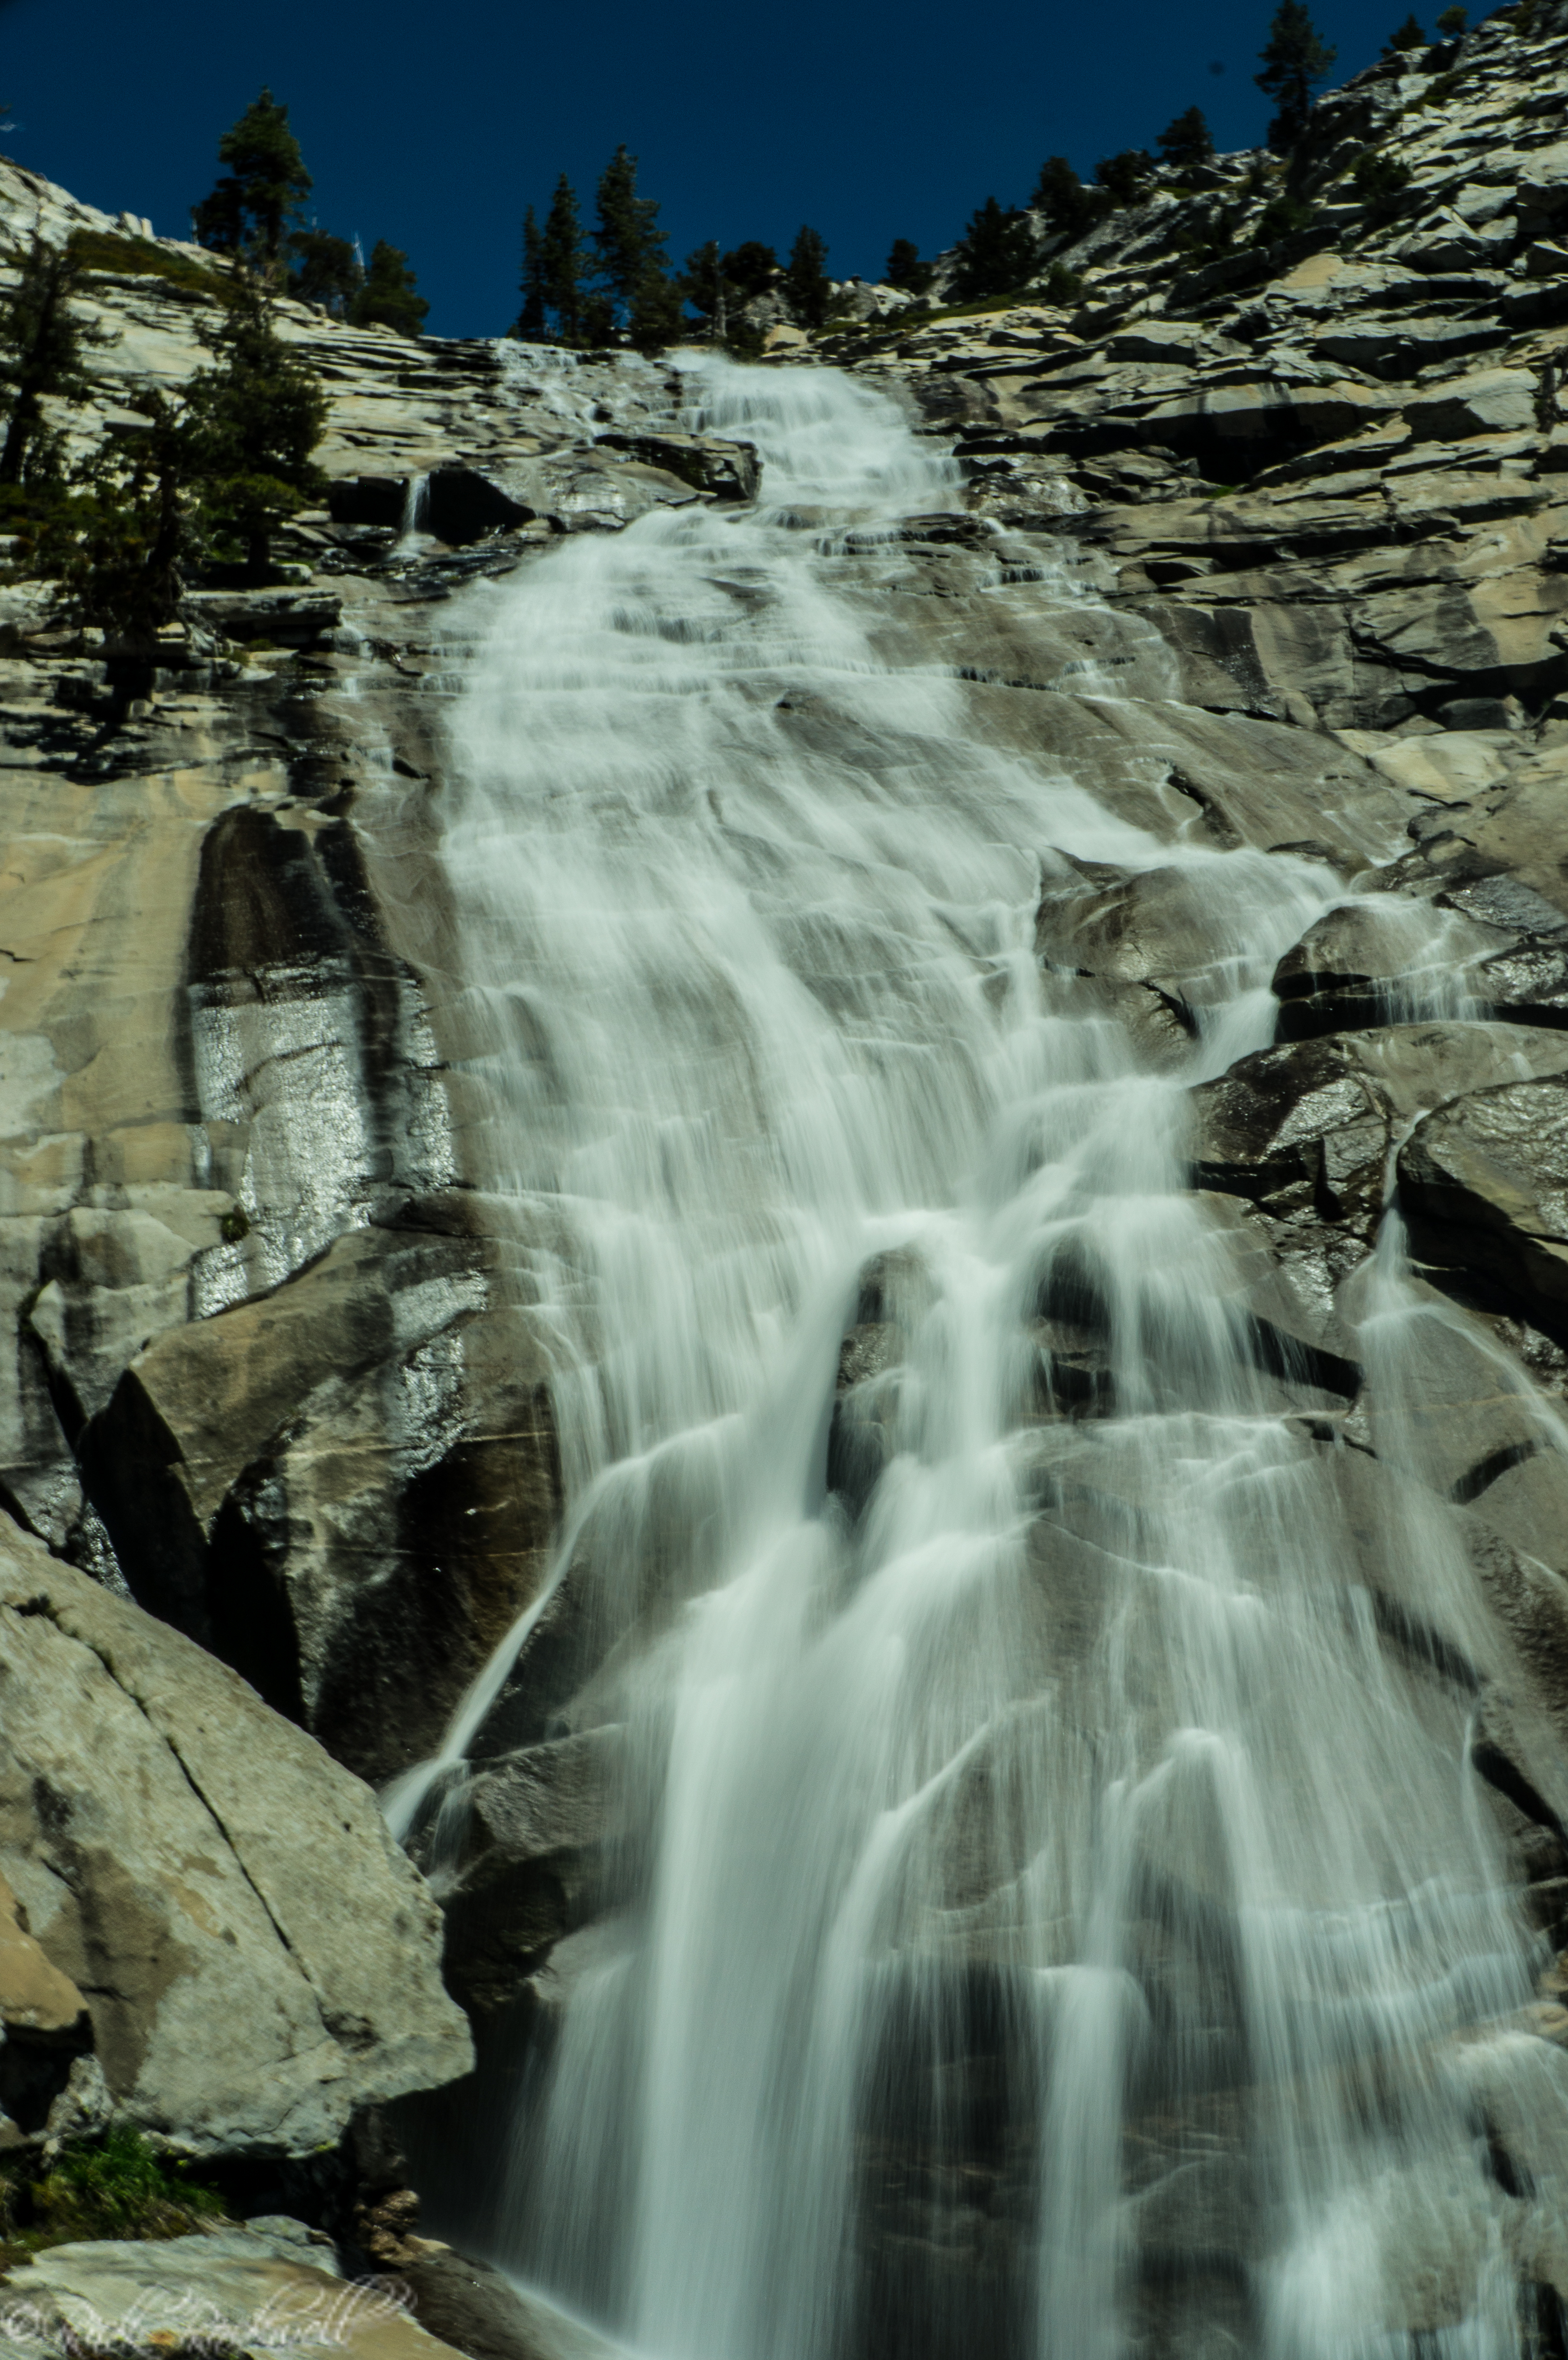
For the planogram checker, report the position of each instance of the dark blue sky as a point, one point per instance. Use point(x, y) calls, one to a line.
point(434, 125)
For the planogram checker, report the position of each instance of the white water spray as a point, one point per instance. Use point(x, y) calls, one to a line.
point(1046, 1908)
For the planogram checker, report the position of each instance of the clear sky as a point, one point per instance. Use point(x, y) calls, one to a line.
point(434, 125)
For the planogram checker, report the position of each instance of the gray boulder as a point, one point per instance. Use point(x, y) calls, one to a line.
point(1486, 1184)
point(255, 1957)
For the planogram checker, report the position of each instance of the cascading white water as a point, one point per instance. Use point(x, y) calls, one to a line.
point(1045, 1915)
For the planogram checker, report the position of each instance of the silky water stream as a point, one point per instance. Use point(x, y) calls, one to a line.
point(1041, 1915)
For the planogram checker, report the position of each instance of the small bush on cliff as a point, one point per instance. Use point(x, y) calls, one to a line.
point(1063, 287)
point(1295, 59)
point(253, 204)
point(1452, 23)
point(388, 297)
point(1376, 180)
point(1282, 217)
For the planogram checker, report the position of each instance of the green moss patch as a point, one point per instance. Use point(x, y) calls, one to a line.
point(120, 256)
point(118, 2186)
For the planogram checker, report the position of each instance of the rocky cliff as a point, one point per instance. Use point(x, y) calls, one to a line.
point(1262, 542)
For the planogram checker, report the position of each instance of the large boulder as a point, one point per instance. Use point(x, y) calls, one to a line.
point(346, 1487)
point(1485, 1182)
point(256, 1958)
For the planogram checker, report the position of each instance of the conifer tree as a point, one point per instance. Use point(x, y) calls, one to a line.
point(253, 419)
point(1452, 23)
point(327, 270)
point(653, 315)
point(40, 349)
point(806, 282)
point(1408, 36)
point(388, 297)
point(1295, 59)
point(122, 541)
point(249, 209)
point(707, 287)
point(626, 235)
point(751, 268)
point(1067, 206)
point(905, 268)
point(995, 254)
point(1124, 177)
point(561, 263)
point(531, 325)
point(1186, 140)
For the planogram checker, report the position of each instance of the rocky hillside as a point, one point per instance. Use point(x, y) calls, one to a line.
point(1264, 542)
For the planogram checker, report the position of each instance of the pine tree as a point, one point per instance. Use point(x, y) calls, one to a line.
point(995, 254)
point(40, 349)
point(627, 236)
point(806, 282)
point(122, 541)
point(751, 268)
point(1067, 206)
point(530, 324)
point(1295, 61)
point(1452, 23)
point(327, 270)
point(653, 315)
point(388, 297)
point(1186, 140)
point(707, 287)
point(905, 268)
point(254, 421)
point(1409, 36)
point(561, 263)
point(1124, 176)
point(267, 181)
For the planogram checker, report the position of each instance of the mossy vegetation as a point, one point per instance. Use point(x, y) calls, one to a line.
point(112, 253)
point(117, 2186)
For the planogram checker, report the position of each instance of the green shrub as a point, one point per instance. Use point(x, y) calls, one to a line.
point(118, 2186)
point(1062, 286)
point(1283, 217)
point(1376, 179)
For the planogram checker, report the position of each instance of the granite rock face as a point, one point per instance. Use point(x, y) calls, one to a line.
point(200, 1901)
point(1263, 542)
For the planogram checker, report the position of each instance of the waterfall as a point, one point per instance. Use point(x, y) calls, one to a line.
point(1047, 1917)
point(416, 511)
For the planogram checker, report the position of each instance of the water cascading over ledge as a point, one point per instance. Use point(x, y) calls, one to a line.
point(1019, 1722)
